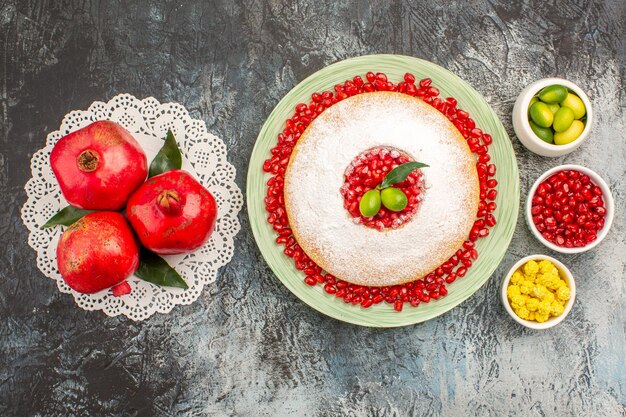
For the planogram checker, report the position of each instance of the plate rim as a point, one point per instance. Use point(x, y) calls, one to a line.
point(251, 205)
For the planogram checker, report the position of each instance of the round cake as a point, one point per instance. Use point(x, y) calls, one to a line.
point(339, 242)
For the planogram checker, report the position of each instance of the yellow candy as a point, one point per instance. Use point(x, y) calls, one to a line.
point(545, 266)
point(540, 318)
point(563, 293)
point(526, 287)
point(522, 312)
point(549, 297)
point(519, 300)
point(531, 268)
point(544, 307)
point(532, 304)
point(542, 278)
point(554, 283)
point(540, 291)
point(556, 309)
point(531, 316)
point(517, 278)
point(545, 279)
point(512, 291)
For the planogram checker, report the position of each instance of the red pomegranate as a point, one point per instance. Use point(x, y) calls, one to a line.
point(172, 213)
point(99, 166)
point(97, 252)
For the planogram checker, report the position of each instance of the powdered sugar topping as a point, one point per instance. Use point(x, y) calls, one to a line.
point(315, 175)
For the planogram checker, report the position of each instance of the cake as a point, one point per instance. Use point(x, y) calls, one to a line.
point(342, 244)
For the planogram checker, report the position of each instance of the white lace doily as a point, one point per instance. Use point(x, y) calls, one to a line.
point(204, 155)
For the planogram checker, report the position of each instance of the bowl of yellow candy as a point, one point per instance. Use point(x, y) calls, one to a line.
point(538, 292)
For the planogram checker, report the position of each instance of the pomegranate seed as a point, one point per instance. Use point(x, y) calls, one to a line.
point(381, 77)
point(366, 303)
point(330, 289)
point(450, 278)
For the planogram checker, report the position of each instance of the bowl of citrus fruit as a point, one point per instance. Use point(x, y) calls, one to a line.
point(552, 117)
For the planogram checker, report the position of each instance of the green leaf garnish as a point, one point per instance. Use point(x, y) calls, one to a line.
point(66, 216)
point(399, 174)
point(168, 158)
point(154, 269)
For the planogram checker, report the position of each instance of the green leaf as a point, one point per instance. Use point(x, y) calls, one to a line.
point(66, 216)
point(399, 173)
point(154, 269)
point(168, 158)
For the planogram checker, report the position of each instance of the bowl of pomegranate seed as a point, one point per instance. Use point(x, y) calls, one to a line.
point(538, 292)
point(570, 209)
point(552, 117)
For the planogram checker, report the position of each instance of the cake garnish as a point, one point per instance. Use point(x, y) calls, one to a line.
point(392, 198)
point(400, 173)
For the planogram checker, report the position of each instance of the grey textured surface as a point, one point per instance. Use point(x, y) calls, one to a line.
point(247, 346)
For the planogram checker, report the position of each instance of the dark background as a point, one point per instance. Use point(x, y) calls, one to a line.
point(247, 346)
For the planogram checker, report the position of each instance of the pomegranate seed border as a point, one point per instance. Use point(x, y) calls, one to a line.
point(433, 285)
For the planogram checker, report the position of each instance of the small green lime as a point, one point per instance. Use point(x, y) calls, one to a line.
point(576, 104)
point(554, 107)
point(571, 134)
point(544, 133)
point(563, 119)
point(553, 94)
point(540, 114)
point(370, 203)
point(394, 199)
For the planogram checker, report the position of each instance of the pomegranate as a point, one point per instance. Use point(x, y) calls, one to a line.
point(97, 252)
point(172, 213)
point(99, 166)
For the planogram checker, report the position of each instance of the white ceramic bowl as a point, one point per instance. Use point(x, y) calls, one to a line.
point(609, 204)
point(566, 275)
point(525, 133)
